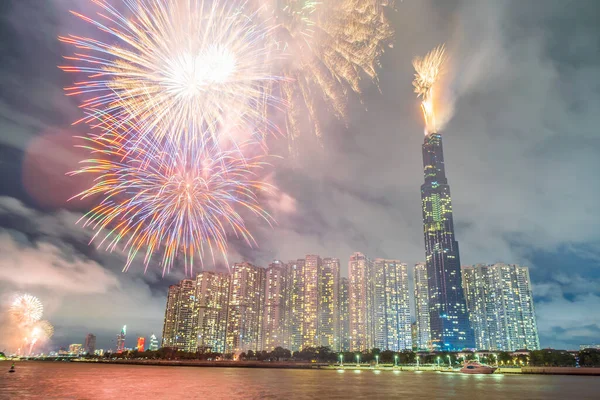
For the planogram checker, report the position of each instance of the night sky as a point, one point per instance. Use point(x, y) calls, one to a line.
point(522, 156)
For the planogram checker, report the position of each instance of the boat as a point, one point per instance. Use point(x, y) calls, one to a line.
point(12, 368)
point(473, 367)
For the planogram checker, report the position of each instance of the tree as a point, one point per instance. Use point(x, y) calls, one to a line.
point(504, 358)
point(589, 358)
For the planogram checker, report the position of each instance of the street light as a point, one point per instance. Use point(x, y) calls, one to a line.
point(377, 359)
point(438, 362)
point(358, 360)
point(396, 359)
point(449, 361)
point(341, 359)
point(417, 363)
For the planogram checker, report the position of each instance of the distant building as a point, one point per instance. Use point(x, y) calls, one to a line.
point(90, 343)
point(415, 336)
point(99, 352)
point(361, 302)
point(246, 302)
point(391, 305)
point(294, 304)
point(141, 344)
point(328, 283)
point(75, 349)
point(121, 339)
point(153, 343)
point(422, 307)
point(500, 302)
point(344, 321)
point(274, 318)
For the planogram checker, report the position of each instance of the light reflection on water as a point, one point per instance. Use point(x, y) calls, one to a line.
point(56, 380)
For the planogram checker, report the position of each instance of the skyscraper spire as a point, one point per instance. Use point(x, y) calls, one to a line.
point(449, 322)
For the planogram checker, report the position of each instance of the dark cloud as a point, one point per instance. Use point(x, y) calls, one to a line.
point(522, 154)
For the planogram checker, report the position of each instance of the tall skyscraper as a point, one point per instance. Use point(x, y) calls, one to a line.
point(141, 344)
point(500, 303)
point(360, 304)
point(186, 317)
point(274, 318)
point(344, 320)
point(391, 307)
point(90, 343)
point(121, 339)
point(422, 307)
point(153, 343)
point(449, 321)
point(210, 311)
point(327, 304)
point(168, 334)
point(246, 307)
point(294, 309)
point(310, 285)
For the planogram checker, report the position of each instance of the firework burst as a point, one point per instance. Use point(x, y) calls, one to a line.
point(26, 309)
point(335, 42)
point(175, 67)
point(181, 200)
point(429, 70)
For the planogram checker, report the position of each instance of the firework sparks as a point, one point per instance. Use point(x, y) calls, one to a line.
point(336, 42)
point(26, 309)
point(175, 67)
point(183, 200)
point(429, 69)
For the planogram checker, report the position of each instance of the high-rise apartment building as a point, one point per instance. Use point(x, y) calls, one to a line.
point(449, 321)
point(294, 308)
point(344, 320)
point(90, 344)
point(274, 319)
point(246, 307)
point(210, 311)
point(422, 307)
point(141, 344)
point(391, 305)
point(500, 303)
point(121, 339)
point(180, 319)
point(168, 334)
point(310, 317)
point(153, 343)
point(75, 349)
point(360, 303)
point(327, 303)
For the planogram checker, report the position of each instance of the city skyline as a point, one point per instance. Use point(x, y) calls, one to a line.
point(521, 151)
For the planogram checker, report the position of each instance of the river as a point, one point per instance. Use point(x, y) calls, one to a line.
point(63, 380)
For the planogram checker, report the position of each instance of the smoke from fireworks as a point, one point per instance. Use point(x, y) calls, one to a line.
point(334, 43)
point(181, 200)
point(174, 67)
point(429, 70)
point(25, 323)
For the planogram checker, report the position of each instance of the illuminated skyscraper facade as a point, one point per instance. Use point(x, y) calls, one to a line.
point(294, 308)
point(344, 320)
point(168, 334)
point(185, 322)
point(422, 307)
point(210, 310)
point(141, 344)
point(391, 305)
point(327, 303)
point(121, 339)
point(274, 318)
point(246, 307)
point(361, 302)
point(449, 321)
point(153, 343)
point(310, 317)
point(500, 304)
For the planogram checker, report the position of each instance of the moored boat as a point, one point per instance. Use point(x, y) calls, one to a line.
point(473, 367)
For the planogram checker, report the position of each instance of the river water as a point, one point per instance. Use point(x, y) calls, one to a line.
point(62, 380)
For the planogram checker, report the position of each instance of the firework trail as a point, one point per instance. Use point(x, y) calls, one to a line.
point(429, 70)
point(334, 43)
point(40, 332)
point(183, 200)
point(174, 67)
point(26, 309)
